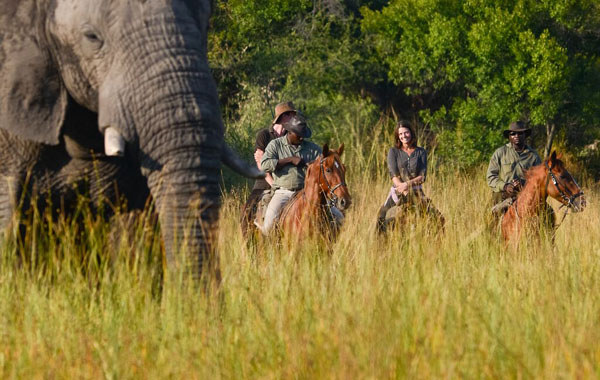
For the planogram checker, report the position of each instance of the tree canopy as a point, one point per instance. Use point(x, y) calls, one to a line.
point(462, 70)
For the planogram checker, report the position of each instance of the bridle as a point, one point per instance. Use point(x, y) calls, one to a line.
point(568, 197)
point(328, 191)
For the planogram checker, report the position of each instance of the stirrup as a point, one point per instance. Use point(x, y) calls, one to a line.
point(258, 224)
point(499, 208)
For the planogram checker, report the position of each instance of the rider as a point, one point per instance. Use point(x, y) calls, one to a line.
point(285, 159)
point(506, 171)
point(407, 164)
point(283, 112)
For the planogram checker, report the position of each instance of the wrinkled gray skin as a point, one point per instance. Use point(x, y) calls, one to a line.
point(71, 68)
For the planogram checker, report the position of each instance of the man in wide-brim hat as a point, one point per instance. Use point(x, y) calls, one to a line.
point(285, 159)
point(506, 171)
point(283, 112)
point(297, 125)
point(517, 127)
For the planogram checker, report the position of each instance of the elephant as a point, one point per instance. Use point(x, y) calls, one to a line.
point(115, 99)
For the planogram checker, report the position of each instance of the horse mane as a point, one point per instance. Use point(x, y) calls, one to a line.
point(535, 174)
point(530, 210)
point(300, 193)
point(310, 173)
point(538, 169)
point(312, 200)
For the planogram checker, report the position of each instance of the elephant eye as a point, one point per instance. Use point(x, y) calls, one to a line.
point(92, 37)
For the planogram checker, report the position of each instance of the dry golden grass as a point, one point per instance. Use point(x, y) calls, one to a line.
point(415, 305)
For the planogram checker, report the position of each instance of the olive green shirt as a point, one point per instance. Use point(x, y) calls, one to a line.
point(507, 165)
point(289, 177)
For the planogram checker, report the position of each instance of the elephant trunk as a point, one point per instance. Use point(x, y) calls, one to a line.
point(183, 161)
point(179, 133)
point(188, 212)
point(184, 184)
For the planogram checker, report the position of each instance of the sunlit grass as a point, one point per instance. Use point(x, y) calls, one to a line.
point(77, 304)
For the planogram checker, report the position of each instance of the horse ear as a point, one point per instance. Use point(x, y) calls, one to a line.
point(325, 150)
point(33, 99)
point(340, 149)
point(552, 159)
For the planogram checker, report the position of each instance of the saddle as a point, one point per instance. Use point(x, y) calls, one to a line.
point(501, 207)
point(263, 203)
point(415, 204)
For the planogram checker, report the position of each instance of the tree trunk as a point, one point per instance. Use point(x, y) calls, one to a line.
point(550, 132)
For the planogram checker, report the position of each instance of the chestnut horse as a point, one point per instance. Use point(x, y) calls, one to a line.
point(309, 211)
point(550, 178)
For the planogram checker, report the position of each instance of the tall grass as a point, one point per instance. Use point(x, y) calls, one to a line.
point(78, 304)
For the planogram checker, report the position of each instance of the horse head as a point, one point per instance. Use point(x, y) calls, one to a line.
point(332, 177)
point(561, 185)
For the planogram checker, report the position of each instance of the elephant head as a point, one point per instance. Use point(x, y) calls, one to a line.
point(140, 68)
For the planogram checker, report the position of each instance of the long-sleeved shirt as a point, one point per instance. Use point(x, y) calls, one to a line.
point(289, 177)
point(405, 166)
point(507, 165)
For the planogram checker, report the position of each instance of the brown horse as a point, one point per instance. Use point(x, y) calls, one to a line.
point(550, 178)
point(309, 212)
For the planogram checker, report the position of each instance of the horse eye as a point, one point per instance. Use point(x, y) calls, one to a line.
point(328, 170)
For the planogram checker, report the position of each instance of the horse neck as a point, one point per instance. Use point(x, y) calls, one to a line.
point(313, 196)
point(533, 196)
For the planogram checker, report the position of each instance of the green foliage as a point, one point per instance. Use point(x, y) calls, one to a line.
point(488, 63)
point(314, 56)
point(461, 70)
point(420, 41)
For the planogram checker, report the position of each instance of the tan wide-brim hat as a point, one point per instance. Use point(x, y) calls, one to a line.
point(517, 126)
point(282, 108)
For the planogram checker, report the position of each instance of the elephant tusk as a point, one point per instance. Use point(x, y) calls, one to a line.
point(230, 158)
point(114, 143)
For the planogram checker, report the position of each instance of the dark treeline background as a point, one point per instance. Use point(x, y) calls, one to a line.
point(459, 70)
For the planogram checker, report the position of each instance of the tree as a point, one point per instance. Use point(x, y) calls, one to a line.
point(481, 64)
point(308, 51)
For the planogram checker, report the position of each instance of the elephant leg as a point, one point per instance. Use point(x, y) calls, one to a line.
point(110, 184)
point(9, 195)
point(16, 158)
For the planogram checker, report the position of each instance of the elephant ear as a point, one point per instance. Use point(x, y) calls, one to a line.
point(33, 101)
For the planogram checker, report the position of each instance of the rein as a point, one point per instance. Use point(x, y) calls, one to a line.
point(566, 198)
point(565, 194)
point(329, 191)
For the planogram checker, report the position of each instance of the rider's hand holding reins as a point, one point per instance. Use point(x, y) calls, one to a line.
point(513, 187)
point(416, 181)
point(404, 187)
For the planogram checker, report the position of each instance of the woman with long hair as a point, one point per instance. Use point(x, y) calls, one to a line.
point(407, 164)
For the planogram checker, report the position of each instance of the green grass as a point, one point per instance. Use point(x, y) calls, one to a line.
point(416, 305)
